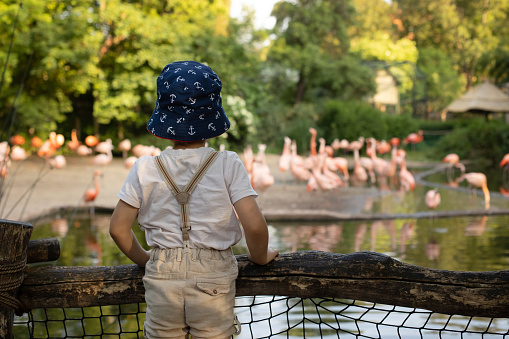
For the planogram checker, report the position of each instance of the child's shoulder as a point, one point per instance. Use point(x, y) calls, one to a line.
point(230, 156)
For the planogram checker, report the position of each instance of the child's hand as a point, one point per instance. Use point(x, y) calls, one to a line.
point(271, 254)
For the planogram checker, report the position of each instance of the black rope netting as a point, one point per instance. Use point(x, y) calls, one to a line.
point(272, 317)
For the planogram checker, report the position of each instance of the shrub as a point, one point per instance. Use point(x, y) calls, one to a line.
point(480, 141)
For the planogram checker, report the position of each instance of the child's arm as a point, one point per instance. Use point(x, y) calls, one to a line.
point(255, 230)
point(120, 230)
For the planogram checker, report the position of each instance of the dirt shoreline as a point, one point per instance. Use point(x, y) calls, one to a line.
point(32, 190)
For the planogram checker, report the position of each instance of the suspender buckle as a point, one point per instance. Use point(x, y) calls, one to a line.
point(182, 197)
point(187, 229)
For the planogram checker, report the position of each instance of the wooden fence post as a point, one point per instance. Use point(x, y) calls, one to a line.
point(14, 238)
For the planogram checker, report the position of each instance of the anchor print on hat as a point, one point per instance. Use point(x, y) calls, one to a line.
point(189, 105)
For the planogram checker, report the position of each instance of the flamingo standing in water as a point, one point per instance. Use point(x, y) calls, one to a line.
point(432, 198)
point(91, 193)
point(454, 162)
point(478, 180)
point(406, 179)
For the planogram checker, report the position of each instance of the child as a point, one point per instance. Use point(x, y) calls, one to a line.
point(184, 201)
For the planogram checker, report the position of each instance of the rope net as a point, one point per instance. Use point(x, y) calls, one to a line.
point(271, 317)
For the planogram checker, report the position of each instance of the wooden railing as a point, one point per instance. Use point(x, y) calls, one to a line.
point(366, 276)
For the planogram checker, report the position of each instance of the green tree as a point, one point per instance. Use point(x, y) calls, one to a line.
point(310, 44)
point(53, 44)
point(461, 29)
point(444, 84)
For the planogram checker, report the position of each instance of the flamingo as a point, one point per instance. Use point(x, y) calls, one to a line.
point(91, 193)
point(406, 179)
point(454, 161)
point(414, 138)
point(36, 142)
point(57, 162)
point(74, 143)
point(297, 165)
point(432, 198)
point(248, 159)
point(325, 164)
point(359, 173)
point(83, 150)
point(504, 164)
point(18, 153)
point(478, 180)
point(383, 147)
point(50, 146)
point(129, 161)
point(285, 158)
point(104, 146)
point(380, 166)
point(17, 140)
point(105, 157)
point(261, 179)
point(336, 163)
point(91, 141)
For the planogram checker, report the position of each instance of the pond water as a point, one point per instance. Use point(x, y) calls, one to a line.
point(462, 243)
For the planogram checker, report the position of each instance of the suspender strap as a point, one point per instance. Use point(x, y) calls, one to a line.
point(183, 195)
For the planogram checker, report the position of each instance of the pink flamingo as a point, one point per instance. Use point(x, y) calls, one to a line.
point(50, 146)
point(124, 146)
point(336, 163)
point(414, 138)
point(57, 162)
point(92, 193)
point(504, 164)
point(477, 180)
point(454, 161)
point(262, 178)
point(248, 159)
point(129, 161)
point(406, 179)
point(297, 165)
point(285, 158)
point(18, 153)
point(324, 160)
point(432, 198)
point(74, 143)
point(380, 166)
point(105, 156)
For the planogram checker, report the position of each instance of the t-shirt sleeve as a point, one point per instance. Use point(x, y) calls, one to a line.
point(237, 179)
point(131, 192)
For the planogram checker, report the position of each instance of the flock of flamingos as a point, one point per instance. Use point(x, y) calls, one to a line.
point(321, 170)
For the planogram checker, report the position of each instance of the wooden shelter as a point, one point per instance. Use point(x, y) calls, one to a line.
point(484, 98)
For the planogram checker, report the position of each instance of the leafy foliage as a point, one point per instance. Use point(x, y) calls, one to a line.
point(481, 140)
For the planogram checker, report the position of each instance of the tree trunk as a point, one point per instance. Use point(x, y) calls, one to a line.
point(301, 89)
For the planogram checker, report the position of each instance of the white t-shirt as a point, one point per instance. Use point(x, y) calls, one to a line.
point(214, 223)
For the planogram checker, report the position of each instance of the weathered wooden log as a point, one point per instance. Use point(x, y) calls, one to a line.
point(366, 276)
point(43, 250)
point(14, 237)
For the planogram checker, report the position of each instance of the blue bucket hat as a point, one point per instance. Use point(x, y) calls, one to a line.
point(189, 105)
